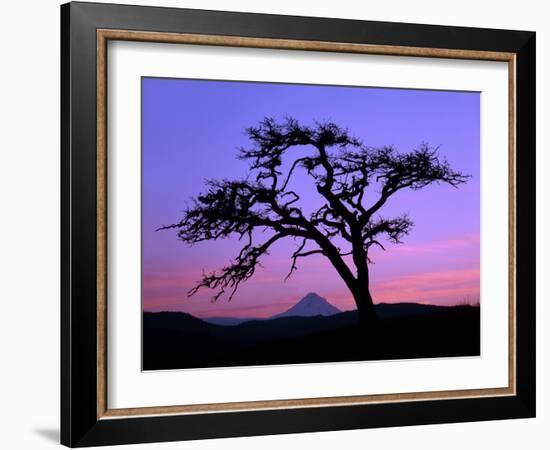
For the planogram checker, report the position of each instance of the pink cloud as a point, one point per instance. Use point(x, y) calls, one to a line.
point(444, 287)
point(468, 242)
point(260, 311)
point(407, 273)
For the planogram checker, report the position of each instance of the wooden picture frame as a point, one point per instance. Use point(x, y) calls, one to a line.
point(86, 418)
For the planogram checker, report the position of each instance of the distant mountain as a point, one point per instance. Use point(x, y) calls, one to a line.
point(228, 321)
point(167, 320)
point(311, 305)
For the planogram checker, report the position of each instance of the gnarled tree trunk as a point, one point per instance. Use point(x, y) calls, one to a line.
point(361, 291)
point(365, 307)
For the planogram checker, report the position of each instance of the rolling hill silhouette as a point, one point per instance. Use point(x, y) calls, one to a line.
point(311, 305)
point(317, 332)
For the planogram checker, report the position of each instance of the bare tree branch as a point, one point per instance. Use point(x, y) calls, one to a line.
point(242, 268)
point(299, 253)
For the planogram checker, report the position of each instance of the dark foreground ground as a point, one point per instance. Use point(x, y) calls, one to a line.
point(407, 330)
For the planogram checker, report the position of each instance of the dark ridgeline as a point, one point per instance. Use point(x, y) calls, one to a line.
point(353, 181)
point(176, 340)
point(311, 305)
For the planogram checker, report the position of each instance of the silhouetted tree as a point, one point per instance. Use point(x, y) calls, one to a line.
point(342, 170)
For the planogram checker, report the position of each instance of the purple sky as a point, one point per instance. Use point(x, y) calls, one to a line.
point(192, 130)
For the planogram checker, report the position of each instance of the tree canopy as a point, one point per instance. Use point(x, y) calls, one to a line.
point(354, 182)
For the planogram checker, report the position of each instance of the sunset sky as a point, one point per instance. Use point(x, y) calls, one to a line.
point(192, 130)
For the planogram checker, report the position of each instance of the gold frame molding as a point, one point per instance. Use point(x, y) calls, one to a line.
point(103, 36)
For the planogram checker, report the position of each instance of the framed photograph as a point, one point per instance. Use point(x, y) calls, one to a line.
point(276, 224)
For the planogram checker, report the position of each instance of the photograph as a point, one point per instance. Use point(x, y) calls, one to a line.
point(300, 224)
